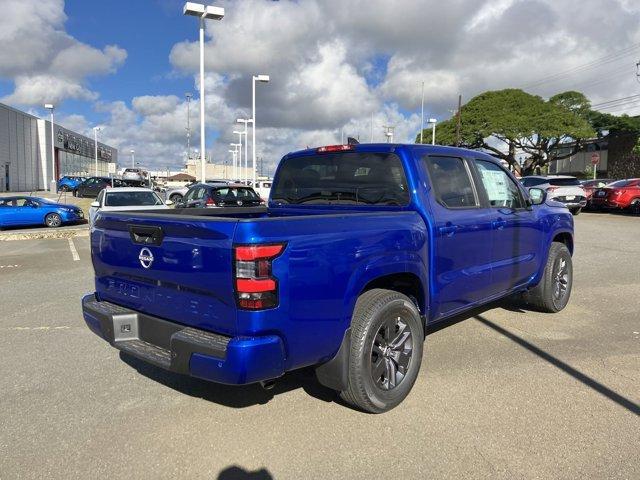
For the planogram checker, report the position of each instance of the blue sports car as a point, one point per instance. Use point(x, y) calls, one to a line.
point(69, 183)
point(23, 210)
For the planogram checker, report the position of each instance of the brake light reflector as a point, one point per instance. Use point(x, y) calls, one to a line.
point(256, 287)
point(335, 148)
point(210, 202)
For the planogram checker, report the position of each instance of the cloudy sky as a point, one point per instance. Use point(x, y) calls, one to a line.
point(334, 64)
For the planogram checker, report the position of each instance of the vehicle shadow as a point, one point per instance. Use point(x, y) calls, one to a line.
point(238, 473)
point(248, 395)
point(234, 396)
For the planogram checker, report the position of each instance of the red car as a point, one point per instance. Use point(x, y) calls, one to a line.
point(591, 186)
point(620, 194)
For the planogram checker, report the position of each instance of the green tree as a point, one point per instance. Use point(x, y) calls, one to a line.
point(504, 122)
point(573, 101)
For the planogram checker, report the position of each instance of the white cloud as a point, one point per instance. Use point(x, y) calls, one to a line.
point(46, 63)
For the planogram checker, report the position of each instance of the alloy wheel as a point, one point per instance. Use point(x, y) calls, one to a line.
point(391, 353)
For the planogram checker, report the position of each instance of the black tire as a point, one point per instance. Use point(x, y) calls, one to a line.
point(53, 220)
point(554, 290)
point(634, 206)
point(387, 338)
point(175, 198)
point(75, 193)
point(575, 211)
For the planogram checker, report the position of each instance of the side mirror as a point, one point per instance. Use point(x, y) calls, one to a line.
point(95, 204)
point(169, 202)
point(537, 195)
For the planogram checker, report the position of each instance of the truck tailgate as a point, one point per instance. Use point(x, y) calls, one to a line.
point(172, 268)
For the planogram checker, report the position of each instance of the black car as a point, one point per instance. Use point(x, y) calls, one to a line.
point(92, 186)
point(203, 195)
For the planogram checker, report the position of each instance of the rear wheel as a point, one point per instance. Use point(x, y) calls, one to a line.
point(53, 220)
point(634, 206)
point(175, 198)
point(386, 350)
point(552, 293)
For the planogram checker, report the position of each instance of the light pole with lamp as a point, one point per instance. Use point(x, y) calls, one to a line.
point(54, 185)
point(95, 142)
point(133, 159)
point(433, 122)
point(262, 79)
point(246, 122)
point(235, 158)
point(239, 133)
point(203, 12)
point(188, 97)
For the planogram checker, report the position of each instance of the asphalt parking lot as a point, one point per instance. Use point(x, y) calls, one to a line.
point(503, 392)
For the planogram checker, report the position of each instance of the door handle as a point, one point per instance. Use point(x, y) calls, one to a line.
point(448, 230)
point(499, 224)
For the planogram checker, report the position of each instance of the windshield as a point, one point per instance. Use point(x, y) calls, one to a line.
point(130, 199)
point(43, 200)
point(343, 178)
point(564, 182)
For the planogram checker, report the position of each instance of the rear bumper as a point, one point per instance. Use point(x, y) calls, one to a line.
point(186, 350)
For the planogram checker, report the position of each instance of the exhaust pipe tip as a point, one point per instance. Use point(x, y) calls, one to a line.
point(268, 384)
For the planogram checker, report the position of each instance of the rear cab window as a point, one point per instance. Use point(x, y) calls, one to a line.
point(354, 178)
point(451, 181)
point(564, 182)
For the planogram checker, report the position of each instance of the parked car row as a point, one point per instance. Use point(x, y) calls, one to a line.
point(597, 194)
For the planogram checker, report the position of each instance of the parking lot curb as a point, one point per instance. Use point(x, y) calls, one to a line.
point(40, 234)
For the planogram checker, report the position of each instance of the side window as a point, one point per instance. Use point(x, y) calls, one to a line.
point(22, 202)
point(191, 194)
point(199, 193)
point(451, 182)
point(100, 197)
point(501, 190)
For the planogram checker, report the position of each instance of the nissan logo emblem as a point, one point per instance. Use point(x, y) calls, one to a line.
point(146, 258)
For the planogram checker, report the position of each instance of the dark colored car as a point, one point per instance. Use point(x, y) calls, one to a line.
point(360, 249)
point(622, 194)
point(23, 211)
point(204, 195)
point(592, 185)
point(92, 186)
point(69, 183)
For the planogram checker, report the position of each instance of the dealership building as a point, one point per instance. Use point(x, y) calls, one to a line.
point(25, 146)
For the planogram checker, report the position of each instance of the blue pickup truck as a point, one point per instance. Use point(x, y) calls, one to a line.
point(359, 249)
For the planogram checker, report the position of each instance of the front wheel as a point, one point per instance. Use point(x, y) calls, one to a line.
point(386, 350)
point(175, 198)
point(634, 206)
point(552, 293)
point(53, 220)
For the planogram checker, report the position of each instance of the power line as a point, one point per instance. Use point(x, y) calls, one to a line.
point(623, 99)
point(604, 60)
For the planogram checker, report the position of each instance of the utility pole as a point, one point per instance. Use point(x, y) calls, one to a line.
point(422, 114)
point(458, 122)
point(188, 95)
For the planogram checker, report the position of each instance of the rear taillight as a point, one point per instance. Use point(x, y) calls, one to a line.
point(256, 287)
point(210, 202)
point(552, 189)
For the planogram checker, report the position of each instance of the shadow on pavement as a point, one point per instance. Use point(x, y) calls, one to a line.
point(234, 396)
point(239, 473)
point(566, 368)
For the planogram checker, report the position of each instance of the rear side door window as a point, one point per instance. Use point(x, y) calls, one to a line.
point(501, 190)
point(451, 181)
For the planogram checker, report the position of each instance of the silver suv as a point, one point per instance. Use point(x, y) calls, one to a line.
point(561, 188)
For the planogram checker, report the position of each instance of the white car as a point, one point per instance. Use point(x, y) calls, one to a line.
point(561, 188)
point(126, 198)
point(134, 174)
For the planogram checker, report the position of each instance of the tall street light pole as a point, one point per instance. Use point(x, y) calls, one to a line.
point(239, 133)
point(236, 146)
point(246, 122)
point(50, 107)
point(133, 159)
point(422, 114)
point(188, 97)
point(95, 145)
point(203, 12)
point(262, 79)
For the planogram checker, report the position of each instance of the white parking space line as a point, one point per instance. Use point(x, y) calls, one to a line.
point(9, 266)
point(74, 252)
